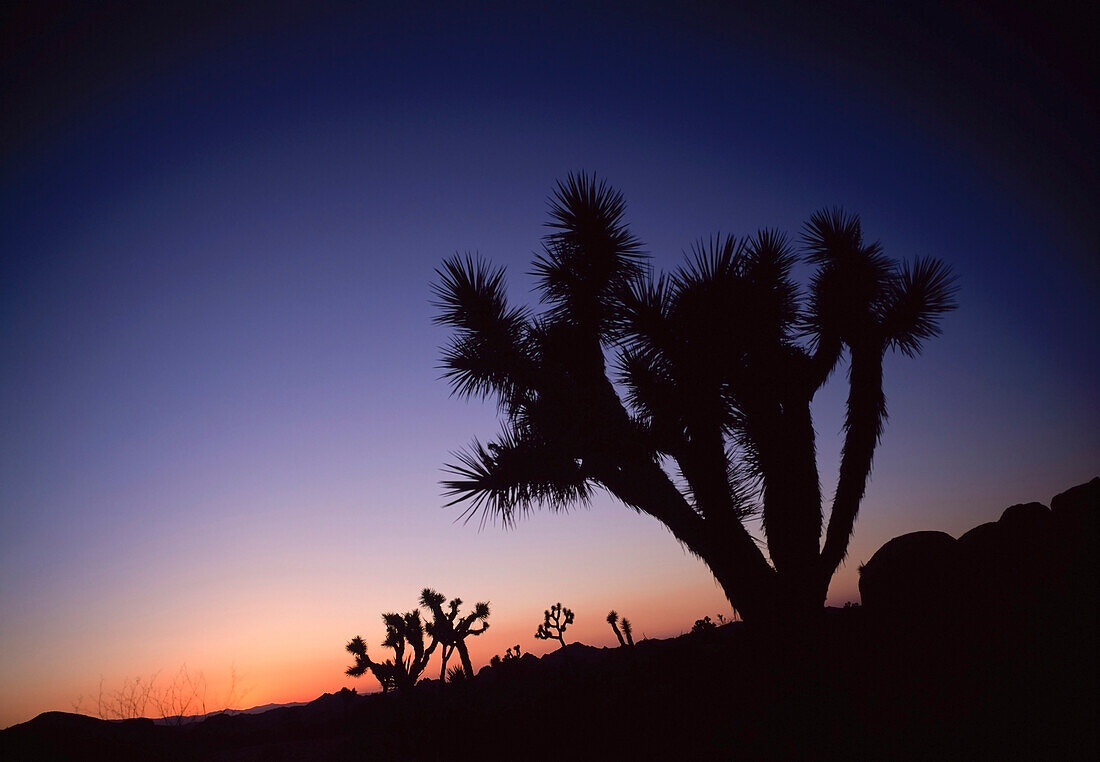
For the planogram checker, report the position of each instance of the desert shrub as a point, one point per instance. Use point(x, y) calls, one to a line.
point(185, 696)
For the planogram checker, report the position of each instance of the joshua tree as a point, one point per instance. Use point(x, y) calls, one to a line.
point(450, 631)
point(717, 364)
point(703, 626)
point(399, 672)
point(613, 620)
point(628, 632)
point(553, 627)
point(512, 654)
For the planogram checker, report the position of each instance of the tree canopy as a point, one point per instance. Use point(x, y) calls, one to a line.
point(686, 395)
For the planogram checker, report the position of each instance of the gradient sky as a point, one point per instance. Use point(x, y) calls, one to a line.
point(221, 419)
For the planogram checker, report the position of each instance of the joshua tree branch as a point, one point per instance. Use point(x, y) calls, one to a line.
point(864, 421)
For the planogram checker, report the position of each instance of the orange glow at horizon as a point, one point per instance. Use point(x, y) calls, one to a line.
point(286, 641)
point(278, 679)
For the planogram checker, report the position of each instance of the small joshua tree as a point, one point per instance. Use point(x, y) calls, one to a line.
point(613, 620)
point(451, 631)
point(704, 628)
point(628, 632)
point(553, 626)
point(512, 654)
point(398, 673)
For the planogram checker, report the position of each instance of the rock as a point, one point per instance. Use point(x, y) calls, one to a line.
point(1078, 508)
point(910, 577)
point(1032, 571)
point(1076, 514)
point(1025, 515)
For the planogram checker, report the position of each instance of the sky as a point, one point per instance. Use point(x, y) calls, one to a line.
point(222, 419)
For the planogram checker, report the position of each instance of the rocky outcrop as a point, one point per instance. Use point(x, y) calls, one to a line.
point(1033, 564)
point(911, 575)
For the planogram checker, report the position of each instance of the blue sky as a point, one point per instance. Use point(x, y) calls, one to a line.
point(222, 415)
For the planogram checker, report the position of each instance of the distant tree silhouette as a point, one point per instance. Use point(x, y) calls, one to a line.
point(717, 364)
point(512, 654)
point(554, 624)
point(613, 620)
point(449, 630)
point(400, 672)
point(627, 631)
point(703, 625)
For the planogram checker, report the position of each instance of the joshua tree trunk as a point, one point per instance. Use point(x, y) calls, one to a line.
point(613, 620)
point(735, 560)
point(866, 415)
point(618, 634)
point(446, 655)
point(464, 654)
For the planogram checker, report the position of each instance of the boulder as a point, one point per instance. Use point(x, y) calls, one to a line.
point(1076, 519)
point(1082, 499)
point(1077, 511)
point(1025, 516)
point(912, 577)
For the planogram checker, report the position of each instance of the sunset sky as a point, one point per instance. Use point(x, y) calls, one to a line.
point(222, 424)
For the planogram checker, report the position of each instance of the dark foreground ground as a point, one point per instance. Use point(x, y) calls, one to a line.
point(860, 689)
point(982, 647)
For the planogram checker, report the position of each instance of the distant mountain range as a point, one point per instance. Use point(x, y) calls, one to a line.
point(189, 718)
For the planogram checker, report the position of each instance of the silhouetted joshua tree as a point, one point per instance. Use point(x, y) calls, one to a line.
point(717, 362)
point(399, 672)
point(553, 627)
point(628, 632)
point(512, 654)
point(703, 626)
point(613, 620)
point(449, 630)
